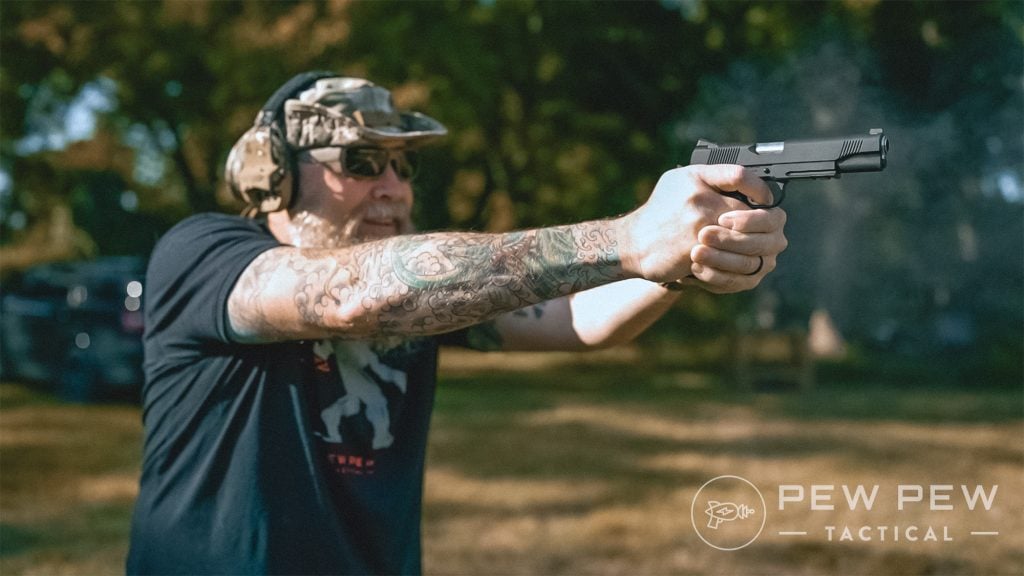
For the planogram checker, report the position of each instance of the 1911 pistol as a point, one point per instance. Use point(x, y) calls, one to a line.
point(781, 162)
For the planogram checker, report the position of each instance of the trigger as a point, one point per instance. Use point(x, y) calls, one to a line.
point(778, 195)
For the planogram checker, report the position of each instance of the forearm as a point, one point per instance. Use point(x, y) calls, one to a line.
point(597, 318)
point(617, 313)
point(421, 284)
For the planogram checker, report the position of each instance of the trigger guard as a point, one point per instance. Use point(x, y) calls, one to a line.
point(778, 195)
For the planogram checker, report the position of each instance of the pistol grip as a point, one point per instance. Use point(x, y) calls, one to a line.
point(778, 195)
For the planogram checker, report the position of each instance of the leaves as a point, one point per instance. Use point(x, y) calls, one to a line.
point(557, 111)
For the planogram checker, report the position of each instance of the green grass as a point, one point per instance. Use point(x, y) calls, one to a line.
point(67, 482)
point(583, 465)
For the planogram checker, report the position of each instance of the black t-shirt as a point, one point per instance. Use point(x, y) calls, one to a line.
point(290, 458)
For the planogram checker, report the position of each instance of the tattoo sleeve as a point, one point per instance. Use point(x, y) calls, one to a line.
point(419, 284)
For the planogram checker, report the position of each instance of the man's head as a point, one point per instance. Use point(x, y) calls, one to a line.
point(355, 193)
point(336, 147)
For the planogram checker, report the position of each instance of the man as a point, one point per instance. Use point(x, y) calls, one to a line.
point(290, 361)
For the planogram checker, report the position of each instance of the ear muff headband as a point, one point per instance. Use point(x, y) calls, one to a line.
point(259, 167)
point(275, 104)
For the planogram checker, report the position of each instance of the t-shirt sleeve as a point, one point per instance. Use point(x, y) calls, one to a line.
point(192, 272)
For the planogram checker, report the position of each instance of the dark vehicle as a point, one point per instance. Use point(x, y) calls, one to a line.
point(76, 326)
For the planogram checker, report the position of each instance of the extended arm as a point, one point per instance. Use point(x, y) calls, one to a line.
point(421, 284)
point(596, 318)
point(435, 283)
point(726, 259)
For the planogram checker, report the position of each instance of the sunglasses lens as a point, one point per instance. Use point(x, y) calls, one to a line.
point(405, 164)
point(366, 162)
point(372, 162)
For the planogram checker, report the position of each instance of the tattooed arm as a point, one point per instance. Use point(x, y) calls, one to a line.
point(597, 318)
point(435, 283)
point(421, 284)
point(726, 250)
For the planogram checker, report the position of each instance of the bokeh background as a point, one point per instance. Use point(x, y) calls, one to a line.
point(897, 312)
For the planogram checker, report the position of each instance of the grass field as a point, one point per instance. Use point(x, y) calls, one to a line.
point(563, 464)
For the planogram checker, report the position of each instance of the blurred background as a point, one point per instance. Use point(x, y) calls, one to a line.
point(900, 301)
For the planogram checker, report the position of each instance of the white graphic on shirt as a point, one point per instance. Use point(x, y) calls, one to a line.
point(355, 361)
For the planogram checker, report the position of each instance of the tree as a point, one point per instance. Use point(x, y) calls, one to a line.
point(557, 111)
point(919, 258)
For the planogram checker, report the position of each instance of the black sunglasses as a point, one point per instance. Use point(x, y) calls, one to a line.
point(368, 162)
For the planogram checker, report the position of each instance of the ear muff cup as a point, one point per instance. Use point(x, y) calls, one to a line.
point(259, 168)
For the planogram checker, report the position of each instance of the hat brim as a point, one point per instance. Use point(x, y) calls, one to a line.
point(315, 126)
point(417, 130)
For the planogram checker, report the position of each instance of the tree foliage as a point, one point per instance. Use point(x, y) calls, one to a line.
point(558, 111)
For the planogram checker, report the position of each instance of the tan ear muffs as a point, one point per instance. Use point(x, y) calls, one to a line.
point(259, 167)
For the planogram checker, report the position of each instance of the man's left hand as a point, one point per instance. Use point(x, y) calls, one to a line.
point(739, 251)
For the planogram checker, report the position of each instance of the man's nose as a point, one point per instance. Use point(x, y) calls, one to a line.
point(390, 187)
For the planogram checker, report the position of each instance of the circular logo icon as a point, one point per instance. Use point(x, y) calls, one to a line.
point(728, 513)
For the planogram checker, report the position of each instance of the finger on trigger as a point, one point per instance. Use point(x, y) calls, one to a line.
point(751, 186)
point(735, 178)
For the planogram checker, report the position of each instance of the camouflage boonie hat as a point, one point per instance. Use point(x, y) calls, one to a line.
point(346, 111)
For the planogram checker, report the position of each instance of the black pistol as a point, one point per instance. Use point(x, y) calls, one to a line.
point(781, 162)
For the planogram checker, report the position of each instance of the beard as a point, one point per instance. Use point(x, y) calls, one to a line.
point(369, 222)
point(378, 220)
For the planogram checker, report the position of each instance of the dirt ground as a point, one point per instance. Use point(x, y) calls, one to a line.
point(561, 464)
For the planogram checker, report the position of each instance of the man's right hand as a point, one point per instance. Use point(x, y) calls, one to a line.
point(663, 235)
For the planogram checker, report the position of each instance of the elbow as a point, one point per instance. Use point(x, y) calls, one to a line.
point(603, 340)
point(352, 319)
